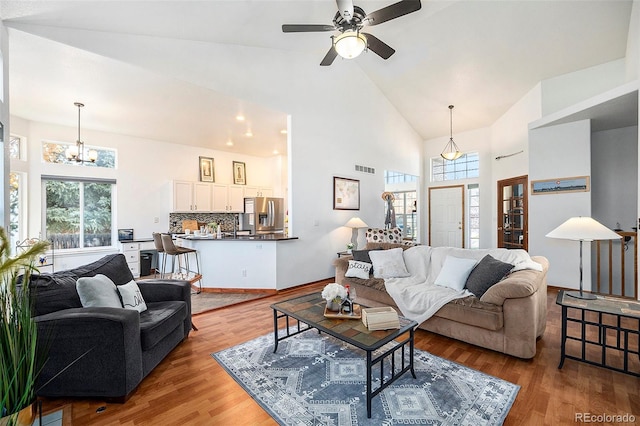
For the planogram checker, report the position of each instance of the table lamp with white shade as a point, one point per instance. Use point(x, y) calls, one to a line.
point(355, 223)
point(581, 229)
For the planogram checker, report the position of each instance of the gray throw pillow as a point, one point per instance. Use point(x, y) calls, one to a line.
point(487, 272)
point(98, 291)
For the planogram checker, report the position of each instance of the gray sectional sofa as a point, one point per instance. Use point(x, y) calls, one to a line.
point(105, 352)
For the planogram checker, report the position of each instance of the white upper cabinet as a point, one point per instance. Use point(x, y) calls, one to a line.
point(258, 191)
point(228, 198)
point(191, 196)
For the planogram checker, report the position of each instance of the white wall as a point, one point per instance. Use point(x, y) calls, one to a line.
point(568, 89)
point(4, 119)
point(632, 57)
point(558, 152)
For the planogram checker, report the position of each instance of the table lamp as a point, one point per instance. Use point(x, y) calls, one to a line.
point(582, 229)
point(355, 223)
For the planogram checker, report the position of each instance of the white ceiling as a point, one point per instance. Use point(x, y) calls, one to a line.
point(481, 56)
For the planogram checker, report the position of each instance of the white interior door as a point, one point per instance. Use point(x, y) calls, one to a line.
point(446, 216)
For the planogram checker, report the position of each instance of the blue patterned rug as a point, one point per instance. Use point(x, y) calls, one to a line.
point(315, 379)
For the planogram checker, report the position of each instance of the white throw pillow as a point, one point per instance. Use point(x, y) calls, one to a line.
point(98, 291)
point(131, 297)
point(388, 263)
point(358, 269)
point(454, 272)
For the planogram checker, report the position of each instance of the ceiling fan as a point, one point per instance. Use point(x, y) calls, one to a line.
point(349, 21)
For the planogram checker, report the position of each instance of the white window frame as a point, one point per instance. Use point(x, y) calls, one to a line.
point(460, 166)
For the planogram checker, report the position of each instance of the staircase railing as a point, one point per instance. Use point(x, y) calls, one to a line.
point(616, 267)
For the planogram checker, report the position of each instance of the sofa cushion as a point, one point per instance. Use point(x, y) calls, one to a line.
point(454, 272)
point(113, 266)
point(388, 263)
point(54, 292)
point(486, 273)
point(469, 310)
point(358, 269)
point(132, 297)
point(363, 255)
point(98, 291)
point(160, 319)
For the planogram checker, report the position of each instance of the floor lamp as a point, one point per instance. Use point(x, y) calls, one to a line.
point(582, 229)
point(355, 223)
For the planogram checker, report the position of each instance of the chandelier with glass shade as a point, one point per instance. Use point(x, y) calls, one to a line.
point(77, 153)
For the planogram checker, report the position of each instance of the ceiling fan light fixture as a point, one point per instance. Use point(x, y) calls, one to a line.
point(350, 44)
point(451, 151)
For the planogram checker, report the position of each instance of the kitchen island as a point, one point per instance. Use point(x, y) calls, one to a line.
point(258, 262)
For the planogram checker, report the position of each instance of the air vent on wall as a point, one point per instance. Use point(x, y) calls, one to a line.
point(365, 169)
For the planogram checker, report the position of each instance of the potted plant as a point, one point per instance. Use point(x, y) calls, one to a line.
point(19, 363)
point(334, 294)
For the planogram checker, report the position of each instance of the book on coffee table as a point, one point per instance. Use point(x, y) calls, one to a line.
point(380, 318)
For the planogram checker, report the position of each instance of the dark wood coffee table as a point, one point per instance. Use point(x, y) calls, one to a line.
point(308, 313)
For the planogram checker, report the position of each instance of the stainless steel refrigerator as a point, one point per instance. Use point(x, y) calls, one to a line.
point(263, 215)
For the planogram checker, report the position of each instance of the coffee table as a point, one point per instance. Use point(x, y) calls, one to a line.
point(308, 313)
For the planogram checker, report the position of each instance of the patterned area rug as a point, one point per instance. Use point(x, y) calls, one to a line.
point(315, 379)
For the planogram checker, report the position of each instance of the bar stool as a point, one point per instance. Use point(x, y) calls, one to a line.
point(171, 249)
point(157, 241)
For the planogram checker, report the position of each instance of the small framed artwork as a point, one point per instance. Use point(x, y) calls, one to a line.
point(239, 173)
point(346, 194)
point(206, 169)
point(555, 186)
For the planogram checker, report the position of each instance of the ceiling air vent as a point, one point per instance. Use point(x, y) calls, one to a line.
point(365, 169)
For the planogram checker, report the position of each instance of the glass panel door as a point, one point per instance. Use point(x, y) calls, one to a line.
point(512, 211)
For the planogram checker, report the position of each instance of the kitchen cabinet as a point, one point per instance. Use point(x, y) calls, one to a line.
point(191, 196)
point(228, 198)
point(258, 191)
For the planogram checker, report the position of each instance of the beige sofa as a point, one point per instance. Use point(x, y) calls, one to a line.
point(508, 318)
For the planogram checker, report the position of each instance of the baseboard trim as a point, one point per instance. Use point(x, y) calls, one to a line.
point(268, 291)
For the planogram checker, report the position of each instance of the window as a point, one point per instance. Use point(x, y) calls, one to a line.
point(465, 167)
point(15, 206)
point(55, 152)
point(78, 212)
point(473, 192)
point(405, 207)
point(16, 148)
point(397, 177)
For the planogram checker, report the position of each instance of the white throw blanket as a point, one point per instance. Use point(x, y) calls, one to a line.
point(418, 298)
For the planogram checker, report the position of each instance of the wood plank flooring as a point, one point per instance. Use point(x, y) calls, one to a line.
point(189, 387)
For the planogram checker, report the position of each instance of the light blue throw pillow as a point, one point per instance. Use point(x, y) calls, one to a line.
point(98, 291)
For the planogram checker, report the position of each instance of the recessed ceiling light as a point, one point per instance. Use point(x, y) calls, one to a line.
point(249, 133)
point(283, 131)
point(229, 143)
point(275, 151)
point(240, 117)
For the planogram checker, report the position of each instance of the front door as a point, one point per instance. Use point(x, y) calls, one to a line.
point(446, 216)
point(512, 213)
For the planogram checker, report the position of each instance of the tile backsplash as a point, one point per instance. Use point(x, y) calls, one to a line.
point(224, 219)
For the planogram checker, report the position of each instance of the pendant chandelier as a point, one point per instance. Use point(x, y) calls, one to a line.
point(76, 153)
point(451, 150)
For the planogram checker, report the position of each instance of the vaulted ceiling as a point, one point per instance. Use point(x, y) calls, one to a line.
point(481, 56)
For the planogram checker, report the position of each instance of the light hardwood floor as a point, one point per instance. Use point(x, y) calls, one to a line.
point(189, 387)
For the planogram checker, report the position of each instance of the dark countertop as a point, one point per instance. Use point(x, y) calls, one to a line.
point(266, 237)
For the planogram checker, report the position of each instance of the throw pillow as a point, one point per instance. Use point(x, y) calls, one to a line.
point(362, 255)
point(388, 263)
point(487, 272)
point(358, 269)
point(98, 291)
point(454, 272)
point(131, 297)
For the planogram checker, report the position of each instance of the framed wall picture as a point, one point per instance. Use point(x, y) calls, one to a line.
point(554, 186)
point(239, 173)
point(346, 194)
point(206, 169)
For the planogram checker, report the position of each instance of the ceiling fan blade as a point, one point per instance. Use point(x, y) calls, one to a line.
point(393, 11)
point(306, 28)
point(329, 57)
point(345, 7)
point(378, 46)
